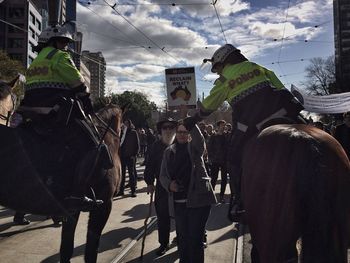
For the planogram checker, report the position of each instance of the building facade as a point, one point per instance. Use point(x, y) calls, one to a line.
point(19, 38)
point(96, 64)
point(342, 43)
point(86, 75)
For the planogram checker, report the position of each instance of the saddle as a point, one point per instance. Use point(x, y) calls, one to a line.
point(57, 142)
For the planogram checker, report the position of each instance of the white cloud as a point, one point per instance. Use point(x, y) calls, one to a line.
point(185, 34)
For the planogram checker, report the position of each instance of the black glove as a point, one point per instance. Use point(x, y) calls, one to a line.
point(190, 122)
point(86, 102)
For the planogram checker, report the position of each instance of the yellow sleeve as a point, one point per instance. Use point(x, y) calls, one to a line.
point(273, 79)
point(217, 96)
point(66, 68)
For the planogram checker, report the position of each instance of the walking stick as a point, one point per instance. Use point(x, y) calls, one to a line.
point(146, 225)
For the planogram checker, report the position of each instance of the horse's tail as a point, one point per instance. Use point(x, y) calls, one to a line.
point(318, 209)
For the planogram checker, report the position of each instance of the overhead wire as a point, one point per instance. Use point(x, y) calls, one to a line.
point(284, 30)
point(123, 33)
point(142, 33)
point(169, 4)
point(217, 15)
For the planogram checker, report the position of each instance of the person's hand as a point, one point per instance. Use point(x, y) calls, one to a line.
point(173, 187)
point(150, 189)
point(190, 122)
point(192, 112)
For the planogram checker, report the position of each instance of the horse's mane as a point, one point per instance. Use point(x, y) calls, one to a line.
point(5, 90)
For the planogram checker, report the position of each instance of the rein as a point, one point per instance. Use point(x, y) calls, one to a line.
point(106, 126)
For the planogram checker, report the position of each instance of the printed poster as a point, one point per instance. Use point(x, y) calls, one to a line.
point(181, 87)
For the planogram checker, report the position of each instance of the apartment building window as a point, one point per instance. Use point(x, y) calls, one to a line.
point(32, 33)
point(16, 12)
point(38, 24)
point(16, 43)
point(30, 60)
point(32, 18)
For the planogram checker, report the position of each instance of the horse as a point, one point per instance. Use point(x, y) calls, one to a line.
point(295, 184)
point(24, 186)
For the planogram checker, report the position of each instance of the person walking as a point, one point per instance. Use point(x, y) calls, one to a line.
point(217, 151)
point(191, 195)
point(129, 149)
point(166, 129)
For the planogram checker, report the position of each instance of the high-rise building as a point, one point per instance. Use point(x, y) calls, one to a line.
point(20, 34)
point(342, 43)
point(71, 10)
point(96, 64)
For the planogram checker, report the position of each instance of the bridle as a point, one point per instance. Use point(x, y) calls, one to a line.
point(106, 126)
point(10, 112)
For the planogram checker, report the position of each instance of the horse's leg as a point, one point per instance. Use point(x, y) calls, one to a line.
point(67, 237)
point(97, 220)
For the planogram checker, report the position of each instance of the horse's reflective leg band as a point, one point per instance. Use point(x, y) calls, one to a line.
point(280, 113)
point(242, 127)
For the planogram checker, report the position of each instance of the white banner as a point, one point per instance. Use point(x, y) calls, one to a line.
point(181, 86)
point(335, 103)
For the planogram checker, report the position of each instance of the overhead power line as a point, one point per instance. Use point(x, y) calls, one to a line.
point(157, 3)
point(217, 15)
point(284, 30)
point(141, 32)
point(132, 40)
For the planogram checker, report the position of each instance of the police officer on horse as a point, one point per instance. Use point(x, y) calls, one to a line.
point(55, 94)
point(258, 99)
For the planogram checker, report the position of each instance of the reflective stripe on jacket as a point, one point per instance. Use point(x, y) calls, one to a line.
point(53, 68)
point(236, 79)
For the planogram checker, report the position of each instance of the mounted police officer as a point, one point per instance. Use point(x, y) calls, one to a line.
point(257, 97)
point(55, 91)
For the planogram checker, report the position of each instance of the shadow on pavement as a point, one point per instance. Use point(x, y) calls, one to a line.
point(151, 257)
point(110, 240)
point(26, 229)
point(6, 213)
point(218, 217)
point(138, 212)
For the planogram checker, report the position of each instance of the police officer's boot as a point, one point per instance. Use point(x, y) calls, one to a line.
point(236, 210)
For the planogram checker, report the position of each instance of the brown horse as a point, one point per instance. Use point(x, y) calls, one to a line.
point(31, 181)
point(295, 184)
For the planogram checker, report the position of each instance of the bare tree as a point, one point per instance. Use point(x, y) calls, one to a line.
point(320, 75)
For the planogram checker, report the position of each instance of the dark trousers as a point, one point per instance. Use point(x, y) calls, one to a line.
point(214, 173)
point(128, 162)
point(190, 227)
point(162, 211)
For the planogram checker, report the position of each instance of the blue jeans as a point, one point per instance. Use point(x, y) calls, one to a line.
point(190, 227)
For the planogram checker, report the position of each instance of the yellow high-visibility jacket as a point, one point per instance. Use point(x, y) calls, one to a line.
point(236, 79)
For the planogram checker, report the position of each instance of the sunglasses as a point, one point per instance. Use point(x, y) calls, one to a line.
point(182, 132)
point(168, 127)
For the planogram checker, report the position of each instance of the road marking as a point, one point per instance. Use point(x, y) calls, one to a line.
point(133, 242)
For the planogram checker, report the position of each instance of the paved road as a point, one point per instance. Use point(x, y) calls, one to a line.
point(40, 241)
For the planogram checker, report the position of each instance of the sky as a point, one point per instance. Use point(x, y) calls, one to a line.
point(140, 39)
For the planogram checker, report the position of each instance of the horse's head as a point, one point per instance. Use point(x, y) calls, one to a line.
point(7, 100)
point(109, 119)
